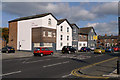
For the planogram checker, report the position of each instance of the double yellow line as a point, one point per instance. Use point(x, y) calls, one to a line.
point(75, 71)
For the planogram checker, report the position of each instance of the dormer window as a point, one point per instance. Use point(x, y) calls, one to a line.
point(49, 21)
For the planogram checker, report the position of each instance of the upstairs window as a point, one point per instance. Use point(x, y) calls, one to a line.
point(43, 33)
point(61, 37)
point(61, 28)
point(84, 36)
point(49, 21)
point(67, 29)
point(49, 34)
point(67, 37)
point(54, 35)
point(74, 30)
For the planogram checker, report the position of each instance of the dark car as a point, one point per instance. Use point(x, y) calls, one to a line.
point(42, 51)
point(109, 49)
point(8, 49)
point(68, 49)
point(85, 49)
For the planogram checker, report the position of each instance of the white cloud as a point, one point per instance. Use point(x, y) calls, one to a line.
point(106, 9)
point(105, 28)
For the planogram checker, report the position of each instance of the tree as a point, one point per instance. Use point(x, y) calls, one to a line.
point(5, 34)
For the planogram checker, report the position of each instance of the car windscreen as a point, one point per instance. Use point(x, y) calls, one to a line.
point(37, 48)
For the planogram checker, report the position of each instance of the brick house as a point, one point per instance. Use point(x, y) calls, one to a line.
point(107, 41)
point(26, 33)
point(82, 40)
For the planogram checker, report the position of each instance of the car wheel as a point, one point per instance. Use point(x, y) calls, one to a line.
point(69, 52)
point(41, 54)
point(51, 53)
point(35, 54)
point(75, 51)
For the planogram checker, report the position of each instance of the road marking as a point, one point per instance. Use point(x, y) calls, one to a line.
point(66, 75)
point(99, 55)
point(36, 61)
point(56, 64)
point(74, 72)
point(40, 60)
point(11, 73)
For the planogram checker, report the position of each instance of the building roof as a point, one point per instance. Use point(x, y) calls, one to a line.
point(32, 17)
point(107, 37)
point(62, 20)
point(74, 24)
point(85, 30)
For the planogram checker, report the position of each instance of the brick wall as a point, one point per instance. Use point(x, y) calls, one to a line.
point(13, 34)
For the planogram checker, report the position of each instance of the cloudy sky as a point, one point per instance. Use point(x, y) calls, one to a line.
point(102, 16)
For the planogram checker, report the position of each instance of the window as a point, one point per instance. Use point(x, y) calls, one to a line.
point(67, 37)
point(74, 30)
point(74, 45)
point(61, 28)
point(80, 36)
point(61, 37)
point(61, 44)
point(91, 38)
point(80, 44)
point(42, 49)
point(84, 44)
point(67, 29)
point(49, 21)
point(47, 44)
point(49, 34)
point(67, 44)
point(84, 36)
point(36, 44)
point(43, 33)
point(46, 49)
point(54, 35)
point(91, 30)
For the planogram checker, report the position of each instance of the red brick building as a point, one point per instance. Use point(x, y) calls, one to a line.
point(107, 41)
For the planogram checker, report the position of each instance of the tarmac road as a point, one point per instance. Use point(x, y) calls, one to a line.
point(52, 66)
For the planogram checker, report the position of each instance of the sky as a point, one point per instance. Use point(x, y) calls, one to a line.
point(103, 16)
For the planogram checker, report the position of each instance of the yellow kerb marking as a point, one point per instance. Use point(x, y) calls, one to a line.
point(74, 72)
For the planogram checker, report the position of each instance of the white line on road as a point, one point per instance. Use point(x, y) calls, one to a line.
point(99, 55)
point(36, 61)
point(11, 73)
point(66, 75)
point(56, 64)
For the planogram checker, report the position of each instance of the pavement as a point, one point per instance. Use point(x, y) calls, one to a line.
point(80, 65)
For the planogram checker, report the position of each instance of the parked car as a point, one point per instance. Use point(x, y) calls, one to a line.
point(8, 49)
point(99, 50)
point(109, 49)
point(85, 49)
point(116, 49)
point(68, 49)
point(42, 51)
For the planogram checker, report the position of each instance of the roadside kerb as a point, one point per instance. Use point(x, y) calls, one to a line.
point(76, 73)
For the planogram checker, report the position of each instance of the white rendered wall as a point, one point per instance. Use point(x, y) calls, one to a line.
point(82, 42)
point(25, 30)
point(65, 34)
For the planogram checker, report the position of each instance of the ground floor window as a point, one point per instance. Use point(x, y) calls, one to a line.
point(80, 44)
point(47, 44)
point(36, 44)
point(74, 45)
point(67, 44)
